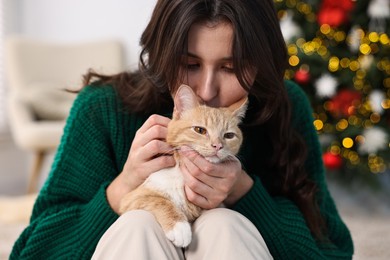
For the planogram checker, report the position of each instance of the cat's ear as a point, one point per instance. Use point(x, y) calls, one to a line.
point(239, 108)
point(185, 99)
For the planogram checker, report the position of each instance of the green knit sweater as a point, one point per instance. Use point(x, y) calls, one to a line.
point(72, 213)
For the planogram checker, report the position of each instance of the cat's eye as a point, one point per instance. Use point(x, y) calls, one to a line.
point(200, 130)
point(229, 135)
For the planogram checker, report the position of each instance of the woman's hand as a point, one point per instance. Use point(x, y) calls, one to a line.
point(146, 150)
point(148, 153)
point(207, 184)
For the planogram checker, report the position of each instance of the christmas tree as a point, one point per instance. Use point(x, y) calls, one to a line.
point(339, 52)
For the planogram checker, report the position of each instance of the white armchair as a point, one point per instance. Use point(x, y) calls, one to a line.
point(37, 74)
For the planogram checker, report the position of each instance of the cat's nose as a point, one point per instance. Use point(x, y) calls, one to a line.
point(217, 147)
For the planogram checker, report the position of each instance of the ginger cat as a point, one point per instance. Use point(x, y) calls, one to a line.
point(214, 134)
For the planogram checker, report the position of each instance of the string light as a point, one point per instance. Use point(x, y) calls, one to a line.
point(335, 149)
point(386, 82)
point(365, 49)
point(384, 39)
point(344, 63)
point(292, 49)
point(339, 36)
point(360, 74)
point(376, 164)
point(293, 60)
point(375, 118)
point(386, 104)
point(322, 51)
point(334, 63)
point(342, 125)
point(318, 124)
point(325, 29)
point(354, 157)
point(355, 121)
point(347, 142)
point(373, 36)
point(354, 65)
point(291, 3)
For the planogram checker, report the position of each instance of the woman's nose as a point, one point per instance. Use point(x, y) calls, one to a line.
point(207, 88)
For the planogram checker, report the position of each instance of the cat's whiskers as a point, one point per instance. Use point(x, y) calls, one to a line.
point(175, 148)
point(231, 158)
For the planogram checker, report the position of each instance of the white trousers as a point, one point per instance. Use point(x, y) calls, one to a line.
point(217, 234)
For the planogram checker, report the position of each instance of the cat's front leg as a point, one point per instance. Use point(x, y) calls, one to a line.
point(180, 234)
point(172, 220)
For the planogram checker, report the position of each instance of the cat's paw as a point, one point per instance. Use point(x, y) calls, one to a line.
point(180, 235)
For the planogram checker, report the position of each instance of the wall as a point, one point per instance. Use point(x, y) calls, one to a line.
point(8, 24)
point(75, 20)
point(11, 16)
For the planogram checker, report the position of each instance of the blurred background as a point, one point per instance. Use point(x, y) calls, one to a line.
point(339, 52)
point(68, 24)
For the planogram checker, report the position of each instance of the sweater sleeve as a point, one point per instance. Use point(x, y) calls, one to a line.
point(71, 212)
point(279, 220)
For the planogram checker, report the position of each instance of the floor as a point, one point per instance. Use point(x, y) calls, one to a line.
point(366, 213)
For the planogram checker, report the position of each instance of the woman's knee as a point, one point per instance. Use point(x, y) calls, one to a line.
point(222, 218)
point(226, 234)
point(136, 216)
point(137, 221)
point(136, 235)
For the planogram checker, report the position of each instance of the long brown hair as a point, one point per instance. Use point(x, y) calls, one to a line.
point(257, 43)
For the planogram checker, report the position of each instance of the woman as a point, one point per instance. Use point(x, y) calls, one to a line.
point(277, 201)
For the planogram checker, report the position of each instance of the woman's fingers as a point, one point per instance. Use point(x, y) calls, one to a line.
point(201, 189)
point(208, 184)
point(149, 140)
point(195, 173)
point(196, 198)
point(159, 163)
point(149, 152)
point(155, 132)
point(203, 195)
point(152, 121)
point(153, 149)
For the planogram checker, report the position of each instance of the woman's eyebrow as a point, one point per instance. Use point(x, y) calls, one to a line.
point(192, 55)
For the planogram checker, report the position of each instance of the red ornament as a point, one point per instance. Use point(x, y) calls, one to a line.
point(302, 76)
point(332, 161)
point(335, 12)
point(344, 103)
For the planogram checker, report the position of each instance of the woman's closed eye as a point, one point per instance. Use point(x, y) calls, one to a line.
point(192, 66)
point(228, 69)
point(227, 66)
